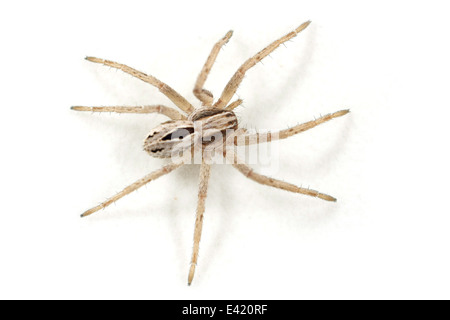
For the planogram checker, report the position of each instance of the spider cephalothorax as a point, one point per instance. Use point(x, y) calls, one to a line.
point(210, 126)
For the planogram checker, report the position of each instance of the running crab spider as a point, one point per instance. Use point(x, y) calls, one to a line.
point(192, 128)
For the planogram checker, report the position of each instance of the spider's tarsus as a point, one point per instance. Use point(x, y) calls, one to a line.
point(79, 108)
point(94, 59)
point(342, 112)
point(303, 26)
point(326, 197)
point(90, 211)
point(191, 274)
point(229, 34)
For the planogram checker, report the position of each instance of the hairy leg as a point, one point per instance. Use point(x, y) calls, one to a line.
point(283, 134)
point(203, 95)
point(202, 192)
point(169, 112)
point(234, 104)
point(236, 79)
point(249, 173)
point(136, 185)
point(176, 98)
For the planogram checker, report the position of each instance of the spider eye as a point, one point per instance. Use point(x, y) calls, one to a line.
point(178, 134)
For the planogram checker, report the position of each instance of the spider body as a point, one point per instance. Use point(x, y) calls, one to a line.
point(209, 127)
point(206, 126)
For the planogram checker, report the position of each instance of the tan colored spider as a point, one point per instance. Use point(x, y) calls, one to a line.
point(193, 129)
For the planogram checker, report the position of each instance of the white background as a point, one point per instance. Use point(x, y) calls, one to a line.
point(388, 234)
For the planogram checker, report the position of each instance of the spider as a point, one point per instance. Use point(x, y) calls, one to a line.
point(193, 128)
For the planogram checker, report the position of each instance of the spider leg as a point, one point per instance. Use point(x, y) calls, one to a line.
point(203, 189)
point(236, 79)
point(234, 104)
point(170, 93)
point(203, 95)
point(136, 185)
point(283, 134)
point(169, 112)
point(249, 173)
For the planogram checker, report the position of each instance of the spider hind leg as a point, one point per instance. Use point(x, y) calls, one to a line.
point(202, 192)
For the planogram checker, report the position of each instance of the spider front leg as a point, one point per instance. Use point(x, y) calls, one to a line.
point(136, 185)
point(170, 93)
point(234, 105)
point(169, 112)
point(202, 192)
point(236, 79)
point(204, 95)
